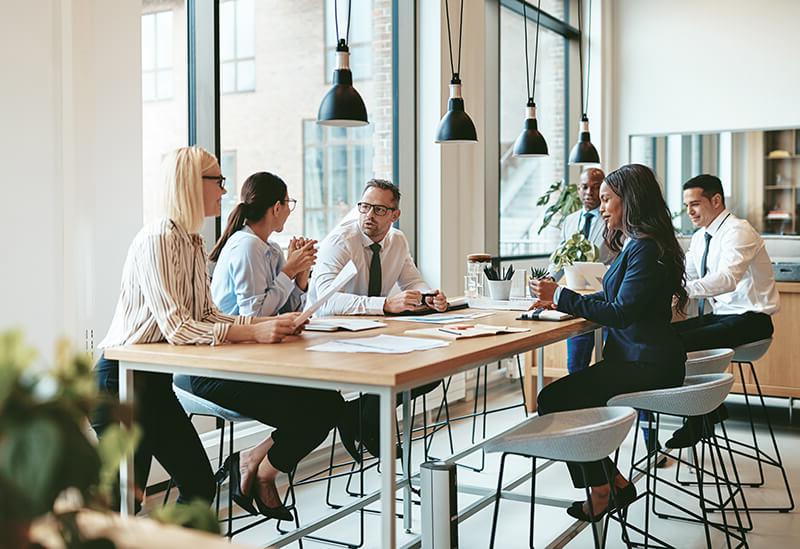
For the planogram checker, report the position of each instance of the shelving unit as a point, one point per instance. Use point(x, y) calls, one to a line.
point(781, 181)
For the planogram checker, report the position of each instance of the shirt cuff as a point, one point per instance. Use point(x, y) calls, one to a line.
point(285, 283)
point(557, 294)
point(220, 332)
point(242, 320)
point(375, 305)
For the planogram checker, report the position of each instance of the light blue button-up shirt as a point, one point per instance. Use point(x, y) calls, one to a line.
point(249, 279)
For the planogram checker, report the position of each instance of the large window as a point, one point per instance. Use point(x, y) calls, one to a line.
point(274, 128)
point(164, 97)
point(337, 163)
point(157, 58)
point(524, 180)
point(237, 45)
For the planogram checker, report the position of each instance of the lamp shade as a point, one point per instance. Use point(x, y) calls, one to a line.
point(584, 152)
point(456, 126)
point(342, 106)
point(530, 142)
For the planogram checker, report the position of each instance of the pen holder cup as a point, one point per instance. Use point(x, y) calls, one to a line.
point(499, 289)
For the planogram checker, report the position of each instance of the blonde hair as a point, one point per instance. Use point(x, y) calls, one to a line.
point(182, 177)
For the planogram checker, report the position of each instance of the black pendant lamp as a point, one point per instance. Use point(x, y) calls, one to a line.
point(531, 142)
point(456, 126)
point(584, 152)
point(342, 106)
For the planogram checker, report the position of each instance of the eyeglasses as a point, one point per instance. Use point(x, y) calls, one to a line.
point(220, 179)
point(291, 202)
point(380, 211)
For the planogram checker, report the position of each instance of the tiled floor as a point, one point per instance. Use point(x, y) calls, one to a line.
point(773, 530)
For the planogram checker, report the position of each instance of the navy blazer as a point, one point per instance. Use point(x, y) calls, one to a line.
point(635, 304)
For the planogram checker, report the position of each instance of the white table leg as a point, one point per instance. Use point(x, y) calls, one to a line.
point(407, 423)
point(127, 483)
point(388, 416)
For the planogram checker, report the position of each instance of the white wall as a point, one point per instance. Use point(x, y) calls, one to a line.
point(699, 65)
point(71, 154)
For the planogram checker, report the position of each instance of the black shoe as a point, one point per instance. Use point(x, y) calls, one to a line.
point(347, 430)
point(280, 512)
point(235, 486)
point(373, 446)
point(625, 497)
point(685, 437)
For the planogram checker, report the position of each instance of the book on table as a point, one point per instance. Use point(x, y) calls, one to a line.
point(348, 324)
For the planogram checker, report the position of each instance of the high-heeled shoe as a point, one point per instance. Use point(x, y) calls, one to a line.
point(281, 512)
point(245, 501)
point(625, 497)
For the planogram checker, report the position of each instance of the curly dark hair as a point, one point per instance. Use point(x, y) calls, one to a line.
point(645, 215)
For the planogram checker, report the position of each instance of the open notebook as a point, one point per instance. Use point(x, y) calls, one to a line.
point(349, 324)
point(464, 331)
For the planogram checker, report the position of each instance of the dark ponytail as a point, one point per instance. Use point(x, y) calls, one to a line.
point(260, 192)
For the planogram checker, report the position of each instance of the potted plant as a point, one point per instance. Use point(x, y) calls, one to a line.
point(45, 454)
point(575, 248)
point(567, 201)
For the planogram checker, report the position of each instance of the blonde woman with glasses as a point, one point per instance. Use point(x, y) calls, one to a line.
point(165, 296)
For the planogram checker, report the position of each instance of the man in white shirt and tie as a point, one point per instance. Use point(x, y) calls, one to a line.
point(587, 221)
point(729, 270)
point(383, 261)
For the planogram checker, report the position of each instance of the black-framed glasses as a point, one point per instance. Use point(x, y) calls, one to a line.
point(380, 211)
point(220, 179)
point(291, 202)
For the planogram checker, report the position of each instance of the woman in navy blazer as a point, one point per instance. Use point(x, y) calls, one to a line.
point(642, 351)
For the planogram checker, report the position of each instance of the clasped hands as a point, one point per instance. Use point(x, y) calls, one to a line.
point(543, 289)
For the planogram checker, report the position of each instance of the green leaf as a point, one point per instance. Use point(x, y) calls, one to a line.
point(30, 453)
point(116, 443)
point(196, 514)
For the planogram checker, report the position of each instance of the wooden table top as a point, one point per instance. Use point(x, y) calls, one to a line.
point(292, 359)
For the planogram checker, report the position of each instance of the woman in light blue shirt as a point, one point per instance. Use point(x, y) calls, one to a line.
point(251, 277)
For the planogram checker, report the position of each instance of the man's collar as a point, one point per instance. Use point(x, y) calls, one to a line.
point(718, 221)
point(367, 241)
point(595, 212)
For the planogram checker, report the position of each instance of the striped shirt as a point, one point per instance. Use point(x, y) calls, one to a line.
point(164, 295)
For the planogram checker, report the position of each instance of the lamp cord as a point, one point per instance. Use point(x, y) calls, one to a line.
point(457, 69)
point(585, 98)
point(336, 20)
point(535, 50)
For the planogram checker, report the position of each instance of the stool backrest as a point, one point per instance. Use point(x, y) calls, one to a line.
point(712, 361)
point(196, 405)
point(577, 435)
point(698, 396)
point(750, 352)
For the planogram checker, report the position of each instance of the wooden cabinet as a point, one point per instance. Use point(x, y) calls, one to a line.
point(781, 181)
point(779, 371)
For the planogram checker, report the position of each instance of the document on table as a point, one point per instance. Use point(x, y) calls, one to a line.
point(441, 318)
point(464, 331)
point(384, 344)
point(344, 276)
point(349, 324)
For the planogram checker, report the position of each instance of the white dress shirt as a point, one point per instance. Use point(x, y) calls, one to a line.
point(347, 242)
point(574, 223)
point(249, 279)
point(739, 275)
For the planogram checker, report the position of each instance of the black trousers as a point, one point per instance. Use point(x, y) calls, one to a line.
point(594, 386)
point(720, 331)
point(302, 417)
point(167, 433)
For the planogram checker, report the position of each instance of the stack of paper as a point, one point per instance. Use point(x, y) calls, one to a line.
point(349, 324)
point(384, 344)
point(522, 304)
point(464, 331)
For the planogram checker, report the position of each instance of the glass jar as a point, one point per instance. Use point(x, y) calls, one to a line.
point(474, 285)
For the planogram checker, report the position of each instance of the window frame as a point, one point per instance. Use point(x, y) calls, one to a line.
point(156, 69)
point(573, 40)
point(235, 60)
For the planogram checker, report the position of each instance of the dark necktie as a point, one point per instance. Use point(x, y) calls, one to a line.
point(375, 282)
point(703, 270)
point(587, 224)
